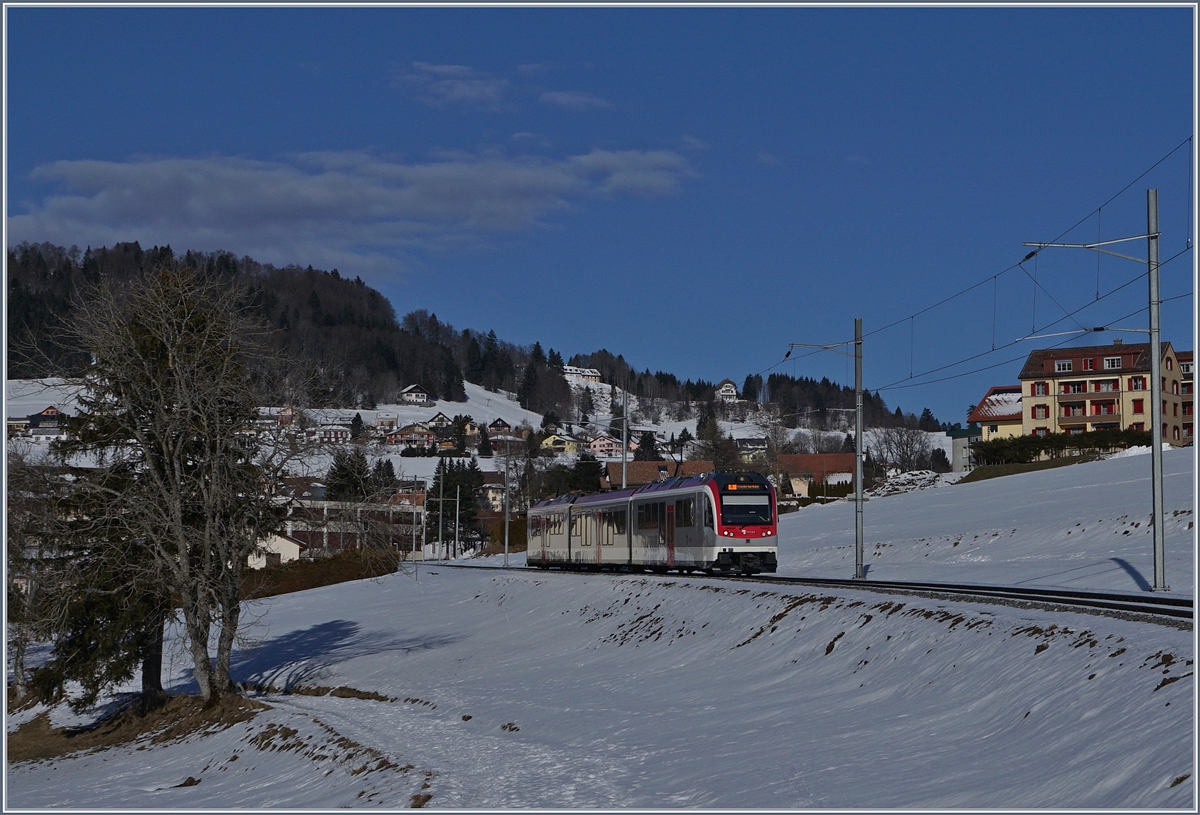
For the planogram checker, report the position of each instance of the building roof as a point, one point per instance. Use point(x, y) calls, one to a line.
point(1001, 404)
point(819, 464)
point(638, 473)
point(1135, 359)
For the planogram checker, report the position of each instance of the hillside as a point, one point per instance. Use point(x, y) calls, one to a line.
point(491, 688)
point(361, 354)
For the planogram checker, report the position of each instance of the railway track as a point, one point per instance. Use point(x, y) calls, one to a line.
point(1148, 606)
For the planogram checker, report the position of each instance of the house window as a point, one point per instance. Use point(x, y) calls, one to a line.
point(1040, 389)
point(1137, 383)
point(1187, 409)
point(1062, 366)
point(1074, 387)
point(1040, 412)
point(993, 428)
point(1187, 430)
point(1041, 431)
point(1089, 364)
point(1170, 364)
point(1175, 386)
point(1139, 405)
point(1187, 387)
point(1112, 363)
point(1138, 426)
point(1185, 367)
point(1175, 409)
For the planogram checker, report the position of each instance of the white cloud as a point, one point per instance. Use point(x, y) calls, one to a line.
point(575, 100)
point(453, 85)
point(345, 209)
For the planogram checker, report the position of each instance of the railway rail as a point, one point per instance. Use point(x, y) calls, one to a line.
point(1153, 607)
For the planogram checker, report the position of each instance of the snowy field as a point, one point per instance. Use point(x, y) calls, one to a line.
point(507, 689)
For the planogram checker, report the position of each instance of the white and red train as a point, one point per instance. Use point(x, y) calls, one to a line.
point(717, 522)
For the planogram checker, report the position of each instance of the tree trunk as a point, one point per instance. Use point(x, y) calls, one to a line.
point(153, 694)
point(19, 687)
point(197, 625)
point(222, 677)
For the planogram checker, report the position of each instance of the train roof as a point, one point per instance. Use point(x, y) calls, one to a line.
point(677, 482)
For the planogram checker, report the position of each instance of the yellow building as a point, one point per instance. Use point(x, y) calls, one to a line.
point(998, 414)
point(1074, 390)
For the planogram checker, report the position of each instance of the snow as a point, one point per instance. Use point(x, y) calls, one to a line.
point(513, 689)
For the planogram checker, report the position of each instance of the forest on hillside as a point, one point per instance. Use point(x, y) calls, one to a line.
point(361, 354)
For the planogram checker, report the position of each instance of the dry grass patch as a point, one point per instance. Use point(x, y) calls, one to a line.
point(181, 716)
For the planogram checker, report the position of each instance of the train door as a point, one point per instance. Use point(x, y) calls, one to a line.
point(669, 528)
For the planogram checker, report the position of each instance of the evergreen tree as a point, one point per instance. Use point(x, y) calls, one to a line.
point(529, 386)
point(585, 475)
point(647, 448)
point(485, 443)
point(383, 479)
point(349, 477)
point(554, 360)
point(536, 355)
point(474, 371)
point(356, 426)
point(927, 422)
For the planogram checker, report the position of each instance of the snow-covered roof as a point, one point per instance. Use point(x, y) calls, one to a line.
point(1002, 403)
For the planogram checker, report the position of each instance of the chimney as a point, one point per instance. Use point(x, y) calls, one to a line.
point(1117, 341)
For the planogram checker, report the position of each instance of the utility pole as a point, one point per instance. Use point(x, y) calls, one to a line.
point(858, 450)
point(859, 570)
point(457, 545)
point(441, 510)
point(624, 432)
point(507, 453)
point(1155, 351)
point(1156, 479)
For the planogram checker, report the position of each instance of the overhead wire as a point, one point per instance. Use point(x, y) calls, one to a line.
point(994, 279)
point(897, 384)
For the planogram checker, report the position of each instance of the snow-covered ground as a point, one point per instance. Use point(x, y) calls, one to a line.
point(548, 690)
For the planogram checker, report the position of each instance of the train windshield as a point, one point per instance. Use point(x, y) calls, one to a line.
point(742, 510)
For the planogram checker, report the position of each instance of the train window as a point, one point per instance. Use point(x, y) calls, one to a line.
point(739, 510)
point(685, 512)
point(708, 515)
point(576, 526)
point(648, 515)
point(614, 519)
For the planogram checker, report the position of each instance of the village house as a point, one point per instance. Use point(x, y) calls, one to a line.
point(560, 443)
point(588, 374)
point(804, 471)
point(1074, 390)
point(998, 414)
point(330, 434)
point(327, 527)
point(49, 422)
point(414, 395)
point(276, 550)
point(413, 435)
point(727, 391)
point(499, 427)
point(605, 447)
point(440, 422)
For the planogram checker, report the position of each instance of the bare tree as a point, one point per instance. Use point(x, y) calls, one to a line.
point(169, 413)
point(905, 448)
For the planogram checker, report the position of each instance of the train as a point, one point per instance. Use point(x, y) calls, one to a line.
point(714, 523)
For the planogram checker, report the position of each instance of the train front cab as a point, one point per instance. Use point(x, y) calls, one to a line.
point(745, 535)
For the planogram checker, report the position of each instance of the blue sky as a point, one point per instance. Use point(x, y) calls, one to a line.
point(694, 188)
